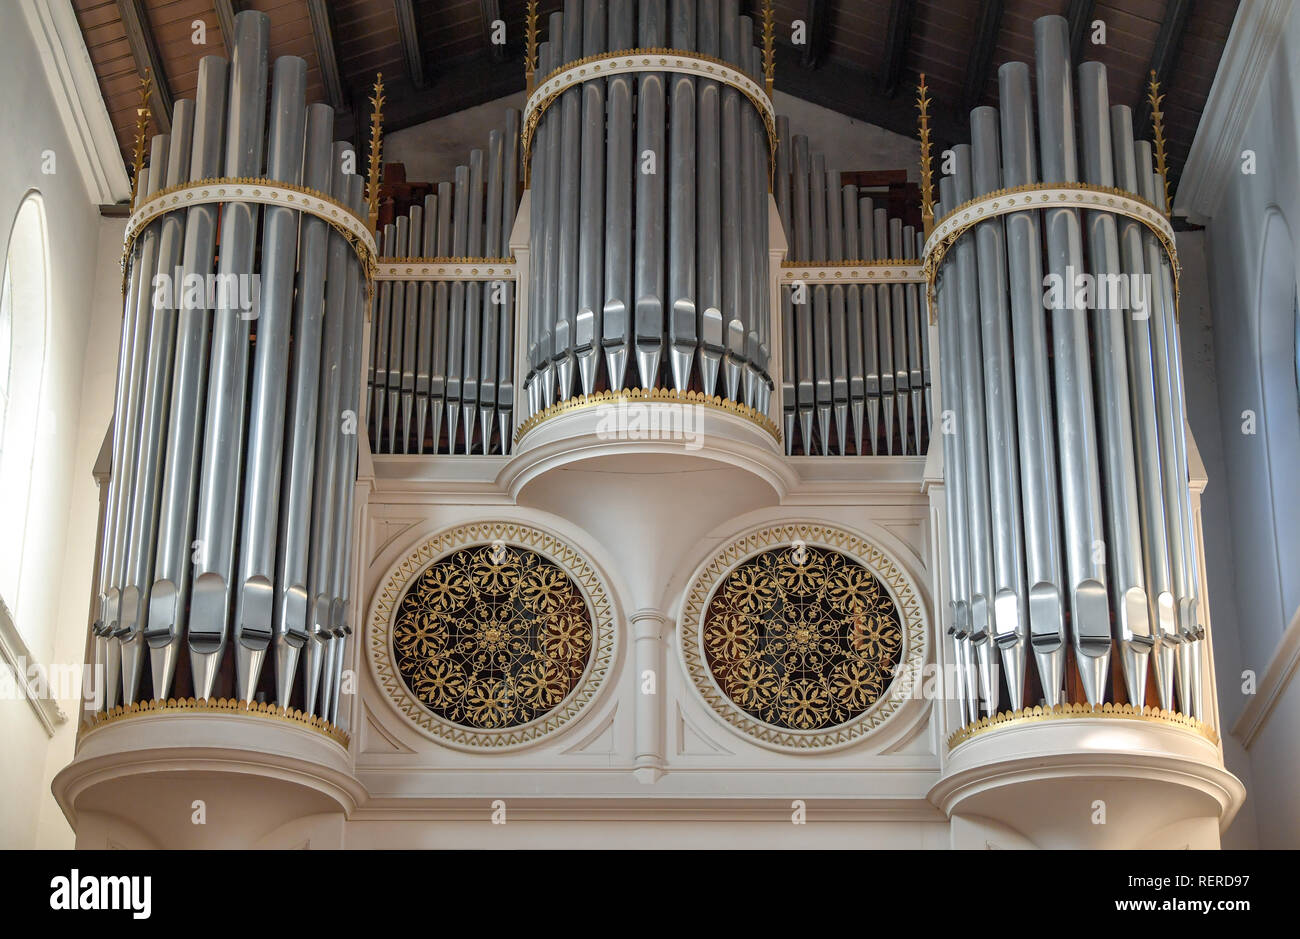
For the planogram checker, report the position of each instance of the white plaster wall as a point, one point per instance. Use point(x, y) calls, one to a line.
point(1251, 503)
point(431, 151)
point(55, 581)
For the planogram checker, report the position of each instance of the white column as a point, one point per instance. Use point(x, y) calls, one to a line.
point(648, 628)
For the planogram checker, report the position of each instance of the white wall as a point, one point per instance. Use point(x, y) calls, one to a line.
point(56, 576)
point(1251, 255)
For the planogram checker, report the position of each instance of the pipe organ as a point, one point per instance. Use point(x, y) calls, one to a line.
point(1066, 475)
point(928, 427)
point(229, 516)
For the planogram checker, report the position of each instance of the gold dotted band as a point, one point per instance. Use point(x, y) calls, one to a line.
point(263, 192)
point(854, 272)
point(1033, 715)
point(220, 706)
point(644, 396)
point(630, 61)
point(457, 269)
point(1044, 196)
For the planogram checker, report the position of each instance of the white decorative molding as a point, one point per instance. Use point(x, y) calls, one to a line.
point(383, 609)
point(447, 269)
point(1243, 71)
point(15, 655)
point(1272, 686)
point(75, 89)
point(853, 272)
point(899, 585)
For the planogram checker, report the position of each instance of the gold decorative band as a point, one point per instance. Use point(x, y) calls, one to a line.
point(891, 271)
point(1036, 714)
point(1044, 196)
point(433, 269)
point(630, 61)
point(649, 395)
point(263, 192)
point(220, 706)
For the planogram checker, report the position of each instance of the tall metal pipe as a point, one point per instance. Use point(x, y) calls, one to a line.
point(620, 164)
point(709, 205)
point(424, 356)
point(473, 302)
point(1080, 495)
point(223, 441)
point(885, 332)
point(682, 314)
point(870, 325)
point(456, 320)
point(1034, 414)
point(506, 313)
point(410, 331)
point(733, 285)
point(264, 441)
point(1128, 590)
point(1010, 624)
point(652, 32)
point(570, 108)
point(154, 399)
point(169, 596)
point(493, 294)
point(590, 298)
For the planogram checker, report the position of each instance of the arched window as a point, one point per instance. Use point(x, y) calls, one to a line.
point(23, 325)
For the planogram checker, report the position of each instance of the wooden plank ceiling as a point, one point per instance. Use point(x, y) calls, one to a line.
point(863, 58)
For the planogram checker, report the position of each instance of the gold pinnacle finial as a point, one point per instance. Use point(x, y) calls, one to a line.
point(927, 178)
point(769, 45)
point(1154, 97)
point(530, 52)
point(142, 116)
point(376, 149)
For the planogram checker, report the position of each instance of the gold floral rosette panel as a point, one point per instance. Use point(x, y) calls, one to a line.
point(492, 636)
point(802, 638)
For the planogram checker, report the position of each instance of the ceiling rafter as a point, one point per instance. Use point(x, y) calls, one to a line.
point(980, 62)
point(409, 32)
point(322, 33)
point(817, 26)
point(896, 38)
point(139, 35)
point(1164, 57)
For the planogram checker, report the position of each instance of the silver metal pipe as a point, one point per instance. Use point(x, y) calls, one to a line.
point(915, 330)
point(396, 335)
point(424, 354)
point(154, 402)
point(752, 273)
point(473, 302)
point(838, 312)
point(898, 304)
point(223, 440)
point(1034, 414)
point(169, 596)
point(1076, 424)
point(709, 205)
point(380, 340)
point(1128, 591)
point(264, 441)
point(853, 319)
point(441, 321)
point(547, 346)
point(290, 619)
point(124, 656)
point(975, 442)
point(1010, 624)
point(954, 469)
point(733, 284)
point(590, 299)
point(822, 394)
point(870, 326)
point(652, 33)
point(570, 107)
point(410, 329)
point(785, 209)
point(760, 241)
point(330, 424)
point(1171, 424)
point(493, 295)
point(1143, 403)
point(802, 299)
point(537, 246)
point(456, 323)
point(506, 312)
point(682, 317)
point(620, 164)
point(885, 332)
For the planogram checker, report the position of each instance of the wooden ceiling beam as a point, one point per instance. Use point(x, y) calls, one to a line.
point(144, 49)
point(980, 62)
point(322, 34)
point(1164, 58)
point(226, 10)
point(409, 32)
point(847, 89)
point(817, 24)
point(491, 13)
point(896, 39)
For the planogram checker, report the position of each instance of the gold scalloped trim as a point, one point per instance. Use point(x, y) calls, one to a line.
point(885, 262)
point(221, 705)
point(634, 395)
point(936, 248)
point(1033, 715)
point(534, 116)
